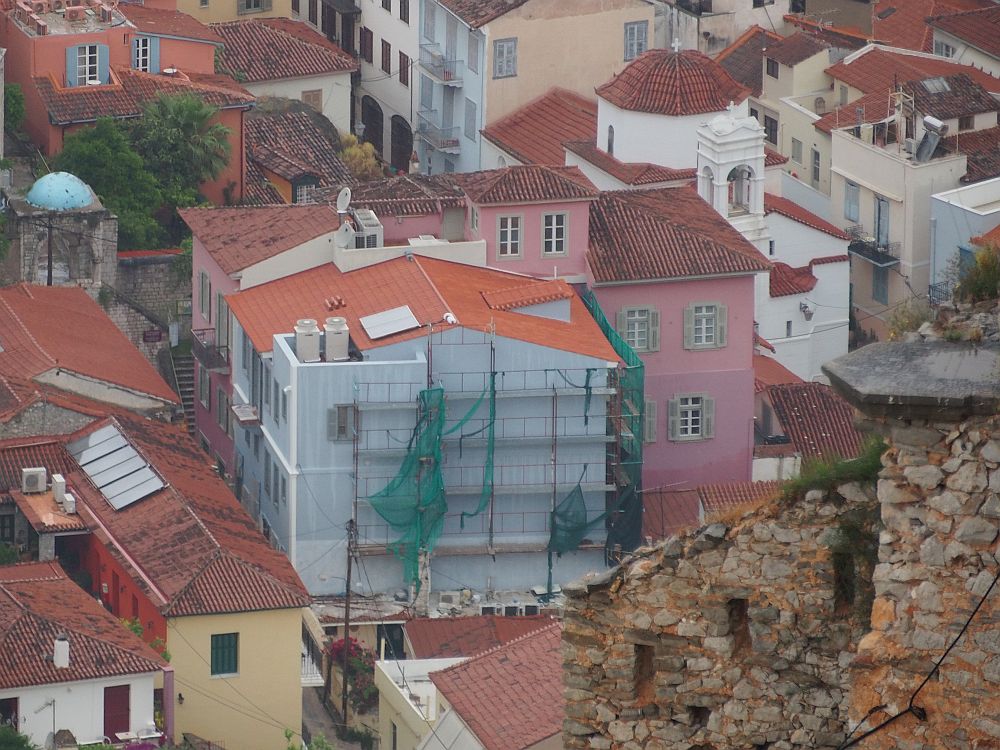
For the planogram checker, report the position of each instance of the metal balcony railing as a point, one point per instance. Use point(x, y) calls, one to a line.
point(868, 246)
point(441, 139)
point(940, 293)
point(210, 355)
point(434, 62)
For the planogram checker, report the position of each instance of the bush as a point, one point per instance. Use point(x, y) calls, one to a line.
point(8, 554)
point(909, 317)
point(13, 105)
point(980, 280)
point(361, 690)
point(828, 473)
point(11, 739)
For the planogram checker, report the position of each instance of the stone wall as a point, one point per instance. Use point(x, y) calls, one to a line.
point(43, 418)
point(729, 637)
point(152, 284)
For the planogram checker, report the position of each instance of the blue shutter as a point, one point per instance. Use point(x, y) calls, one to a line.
point(102, 63)
point(71, 53)
point(154, 54)
point(135, 52)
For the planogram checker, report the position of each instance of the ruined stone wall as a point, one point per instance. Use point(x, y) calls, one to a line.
point(730, 637)
point(152, 283)
point(84, 246)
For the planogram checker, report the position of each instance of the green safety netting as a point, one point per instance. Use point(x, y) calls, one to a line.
point(487, 492)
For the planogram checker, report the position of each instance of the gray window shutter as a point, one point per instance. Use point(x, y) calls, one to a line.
point(331, 424)
point(649, 422)
point(721, 324)
point(654, 330)
point(708, 417)
point(688, 327)
point(241, 6)
point(621, 323)
point(266, 5)
point(674, 418)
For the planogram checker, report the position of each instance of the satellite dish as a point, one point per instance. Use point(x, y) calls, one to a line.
point(343, 199)
point(344, 235)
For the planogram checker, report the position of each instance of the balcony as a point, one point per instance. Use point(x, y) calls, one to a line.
point(434, 63)
point(210, 356)
point(878, 253)
point(441, 139)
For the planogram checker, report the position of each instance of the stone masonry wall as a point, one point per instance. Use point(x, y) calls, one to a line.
point(155, 286)
point(724, 638)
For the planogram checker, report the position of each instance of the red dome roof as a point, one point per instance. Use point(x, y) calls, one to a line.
point(673, 83)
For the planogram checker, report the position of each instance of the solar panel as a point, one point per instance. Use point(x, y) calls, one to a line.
point(388, 322)
point(115, 467)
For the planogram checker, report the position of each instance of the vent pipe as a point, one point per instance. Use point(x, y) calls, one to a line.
point(307, 340)
point(60, 652)
point(337, 339)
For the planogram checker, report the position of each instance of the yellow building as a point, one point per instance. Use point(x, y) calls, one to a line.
point(216, 11)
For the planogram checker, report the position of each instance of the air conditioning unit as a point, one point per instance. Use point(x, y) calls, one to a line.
point(106, 14)
point(489, 609)
point(450, 598)
point(58, 487)
point(41, 28)
point(369, 232)
point(69, 504)
point(75, 12)
point(909, 145)
point(40, 6)
point(532, 609)
point(58, 6)
point(512, 610)
point(33, 480)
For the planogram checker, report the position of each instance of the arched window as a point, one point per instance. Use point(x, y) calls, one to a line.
point(819, 106)
point(739, 189)
point(611, 140)
point(708, 186)
point(501, 162)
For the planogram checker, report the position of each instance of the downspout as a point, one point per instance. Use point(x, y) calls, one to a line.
point(293, 462)
point(933, 274)
point(168, 703)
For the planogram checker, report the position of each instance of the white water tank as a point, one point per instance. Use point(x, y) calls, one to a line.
point(60, 652)
point(307, 335)
point(337, 339)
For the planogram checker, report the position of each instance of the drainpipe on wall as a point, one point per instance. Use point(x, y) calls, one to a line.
point(168, 703)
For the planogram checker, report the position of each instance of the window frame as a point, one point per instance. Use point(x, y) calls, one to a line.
point(634, 46)
point(771, 67)
point(404, 68)
point(770, 129)
point(652, 322)
point(340, 420)
point(966, 123)
point(815, 165)
point(87, 59)
point(880, 284)
point(797, 148)
point(205, 295)
point(430, 21)
point(313, 98)
point(204, 387)
point(509, 248)
point(387, 5)
point(470, 115)
point(505, 64)
point(704, 410)
point(943, 49)
point(705, 312)
point(386, 56)
point(143, 47)
point(852, 200)
point(404, 11)
point(472, 53)
point(649, 423)
point(562, 230)
point(224, 653)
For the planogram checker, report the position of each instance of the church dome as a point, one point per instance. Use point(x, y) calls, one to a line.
point(60, 191)
point(663, 82)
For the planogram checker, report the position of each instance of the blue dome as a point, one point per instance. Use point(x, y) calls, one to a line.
point(60, 191)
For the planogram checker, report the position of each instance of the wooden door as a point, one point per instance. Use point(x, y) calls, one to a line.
point(116, 710)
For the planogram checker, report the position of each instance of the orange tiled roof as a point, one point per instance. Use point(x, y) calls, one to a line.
point(525, 295)
point(535, 133)
point(512, 696)
point(962, 97)
point(875, 107)
point(800, 46)
point(845, 37)
point(673, 83)
point(40, 330)
point(163, 22)
point(818, 421)
point(629, 173)
point(258, 51)
point(666, 513)
point(405, 195)
point(904, 23)
point(237, 237)
point(777, 204)
point(448, 637)
point(45, 515)
point(982, 151)
point(721, 497)
point(664, 233)
point(979, 28)
point(768, 371)
point(744, 58)
point(877, 69)
point(37, 603)
point(476, 13)
point(991, 237)
point(524, 184)
point(786, 280)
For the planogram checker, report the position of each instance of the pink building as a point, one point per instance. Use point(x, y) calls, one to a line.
point(679, 282)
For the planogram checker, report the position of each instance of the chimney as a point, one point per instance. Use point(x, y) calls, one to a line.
point(337, 338)
point(58, 487)
point(60, 653)
point(307, 340)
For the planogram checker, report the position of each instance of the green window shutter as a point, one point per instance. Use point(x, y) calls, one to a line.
point(674, 419)
point(654, 330)
point(688, 327)
point(649, 423)
point(225, 653)
point(708, 417)
point(721, 324)
point(621, 323)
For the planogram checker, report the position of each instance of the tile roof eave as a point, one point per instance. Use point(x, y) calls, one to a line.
point(671, 279)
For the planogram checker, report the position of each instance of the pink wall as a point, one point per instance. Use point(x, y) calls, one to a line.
point(725, 374)
point(188, 56)
point(398, 229)
point(531, 260)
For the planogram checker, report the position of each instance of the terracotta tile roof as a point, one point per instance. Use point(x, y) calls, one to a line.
point(122, 254)
point(875, 107)
point(163, 22)
point(37, 603)
point(476, 13)
point(257, 189)
point(845, 37)
point(664, 233)
point(629, 173)
point(744, 58)
point(673, 83)
point(405, 195)
point(22, 453)
point(800, 46)
point(818, 421)
point(512, 696)
point(786, 280)
point(991, 237)
point(979, 28)
point(963, 97)
point(40, 330)
point(430, 287)
point(45, 515)
point(795, 212)
point(667, 513)
point(904, 23)
point(527, 295)
point(525, 184)
point(257, 51)
point(759, 340)
point(876, 69)
point(535, 133)
point(717, 498)
point(237, 237)
point(982, 151)
point(281, 162)
point(126, 96)
point(768, 371)
point(446, 637)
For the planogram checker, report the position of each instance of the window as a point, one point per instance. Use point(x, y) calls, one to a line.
point(366, 41)
point(284, 490)
point(762, 3)
point(387, 5)
point(640, 327)
point(250, 5)
point(472, 61)
point(796, 150)
point(313, 98)
point(247, 352)
point(470, 119)
point(815, 167)
point(7, 528)
point(852, 196)
point(386, 57)
point(222, 409)
point(204, 295)
point(404, 11)
point(755, 114)
point(772, 67)
point(635, 39)
point(474, 220)
point(404, 69)
point(505, 58)
point(284, 406)
point(788, 329)
point(705, 325)
point(267, 473)
point(140, 53)
point(204, 393)
point(203, 3)
point(305, 193)
point(611, 140)
point(967, 122)
point(508, 236)
point(691, 417)
point(340, 422)
point(770, 247)
point(277, 400)
point(554, 234)
point(395, 745)
point(429, 21)
point(882, 221)
point(426, 92)
point(880, 284)
point(943, 49)
point(226, 653)
point(843, 95)
point(86, 64)
point(771, 129)
point(649, 422)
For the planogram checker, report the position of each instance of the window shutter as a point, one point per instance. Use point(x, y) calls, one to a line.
point(654, 330)
point(154, 55)
point(266, 5)
point(621, 323)
point(71, 75)
point(103, 58)
point(721, 324)
point(688, 327)
point(331, 424)
point(241, 6)
point(649, 422)
point(708, 417)
point(674, 418)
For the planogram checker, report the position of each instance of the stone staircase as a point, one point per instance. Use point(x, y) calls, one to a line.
point(184, 373)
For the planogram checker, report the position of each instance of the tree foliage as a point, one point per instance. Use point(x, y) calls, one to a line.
point(8, 553)
point(981, 280)
point(361, 690)
point(11, 739)
point(360, 158)
point(102, 157)
point(13, 105)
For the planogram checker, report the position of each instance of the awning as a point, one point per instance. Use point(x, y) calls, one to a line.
point(345, 7)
